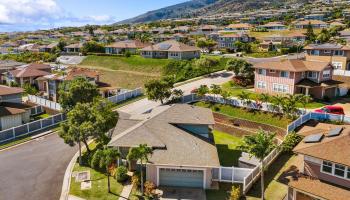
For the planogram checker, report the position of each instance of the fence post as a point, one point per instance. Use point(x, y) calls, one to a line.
point(233, 175)
point(53, 120)
point(13, 133)
point(219, 173)
point(41, 123)
point(27, 128)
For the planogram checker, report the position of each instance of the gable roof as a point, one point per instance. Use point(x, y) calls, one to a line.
point(329, 148)
point(28, 72)
point(293, 65)
point(241, 25)
point(328, 46)
point(172, 144)
point(171, 45)
point(134, 44)
point(6, 90)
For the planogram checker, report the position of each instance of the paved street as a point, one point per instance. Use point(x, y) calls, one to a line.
point(145, 104)
point(35, 170)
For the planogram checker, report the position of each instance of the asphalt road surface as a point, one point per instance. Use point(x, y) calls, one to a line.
point(34, 170)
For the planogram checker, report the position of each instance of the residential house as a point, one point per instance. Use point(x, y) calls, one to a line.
point(295, 76)
point(29, 47)
point(48, 48)
point(336, 24)
point(27, 74)
point(228, 40)
point(171, 49)
point(181, 29)
point(180, 135)
point(314, 17)
point(207, 29)
point(73, 48)
point(337, 54)
point(12, 112)
point(125, 46)
point(325, 171)
point(238, 27)
point(49, 84)
point(317, 24)
point(273, 26)
point(7, 65)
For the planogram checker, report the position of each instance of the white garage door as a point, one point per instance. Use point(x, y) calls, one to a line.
point(181, 177)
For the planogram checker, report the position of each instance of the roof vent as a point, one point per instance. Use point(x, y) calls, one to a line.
point(335, 132)
point(313, 138)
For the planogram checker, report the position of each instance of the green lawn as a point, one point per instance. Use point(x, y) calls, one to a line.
point(42, 116)
point(267, 54)
point(129, 101)
point(99, 186)
point(236, 90)
point(222, 193)
point(133, 63)
point(252, 115)
point(226, 145)
point(275, 189)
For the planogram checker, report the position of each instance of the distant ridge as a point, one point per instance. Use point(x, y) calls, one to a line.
point(196, 8)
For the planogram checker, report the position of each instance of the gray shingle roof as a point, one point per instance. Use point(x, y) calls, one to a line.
point(178, 147)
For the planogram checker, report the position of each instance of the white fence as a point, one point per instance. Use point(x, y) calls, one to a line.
point(125, 95)
point(25, 129)
point(230, 174)
point(44, 102)
point(341, 72)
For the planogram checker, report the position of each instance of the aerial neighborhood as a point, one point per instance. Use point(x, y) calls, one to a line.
point(202, 100)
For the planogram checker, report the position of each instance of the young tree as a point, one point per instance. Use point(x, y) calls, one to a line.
point(141, 154)
point(215, 89)
point(92, 47)
point(106, 159)
point(177, 94)
point(277, 102)
point(304, 100)
point(324, 36)
point(202, 91)
point(264, 98)
point(158, 90)
point(235, 193)
point(245, 98)
point(76, 91)
point(241, 68)
point(225, 95)
point(205, 63)
point(310, 35)
point(61, 44)
point(259, 146)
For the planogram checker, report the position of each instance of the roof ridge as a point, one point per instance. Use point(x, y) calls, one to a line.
point(326, 142)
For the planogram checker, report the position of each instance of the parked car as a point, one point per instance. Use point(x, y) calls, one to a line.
point(338, 110)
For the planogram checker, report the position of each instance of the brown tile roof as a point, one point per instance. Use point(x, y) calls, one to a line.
point(334, 149)
point(133, 44)
point(76, 45)
point(271, 24)
point(230, 35)
point(158, 129)
point(7, 108)
point(171, 45)
point(242, 25)
point(328, 46)
point(28, 72)
point(319, 188)
point(313, 22)
point(293, 65)
point(5, 90)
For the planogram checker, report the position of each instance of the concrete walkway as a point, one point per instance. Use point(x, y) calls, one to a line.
point(126, 191)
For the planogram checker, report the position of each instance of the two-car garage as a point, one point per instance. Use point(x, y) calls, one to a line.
point(181, 177)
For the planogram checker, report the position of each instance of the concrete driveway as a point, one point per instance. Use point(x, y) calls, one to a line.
point(34, 170)
point(171, 193)
point(144, 105)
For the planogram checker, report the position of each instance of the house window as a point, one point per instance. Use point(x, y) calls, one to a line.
point(338, 53)
point(339, 170)
point(337, 65)
point(262, 72)
point(327, 167)
point(280, 88)
point(312, 75)
point(272, 71)
point(315, 52)
point(261, 84)
point(326, 73)
point(348, 174)
point(284, 74)
point(327, 51)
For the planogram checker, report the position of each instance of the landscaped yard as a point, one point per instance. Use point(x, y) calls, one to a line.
point(252, 115)
point(99, 189)
point(236, 90)
point(226, 145)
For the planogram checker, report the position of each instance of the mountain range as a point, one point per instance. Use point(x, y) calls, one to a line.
point(195, 8)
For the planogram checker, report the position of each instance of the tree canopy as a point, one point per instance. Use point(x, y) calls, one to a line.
point(158, 90)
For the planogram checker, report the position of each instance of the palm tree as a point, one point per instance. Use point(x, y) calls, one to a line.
point(202, 91)
point(215, 89)
point(304, 100)
point(244, 97)
point(225, 95)
point(109, 158)
point(140, 153)
point(277, 102)
point(259, 146)
point(264, 98)
point(289, 105)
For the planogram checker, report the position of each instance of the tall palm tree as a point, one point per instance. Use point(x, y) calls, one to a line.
point(141, 154)
point(109, 159)
point(259, 146)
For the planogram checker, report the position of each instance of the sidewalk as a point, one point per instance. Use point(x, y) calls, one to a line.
point(126, 191)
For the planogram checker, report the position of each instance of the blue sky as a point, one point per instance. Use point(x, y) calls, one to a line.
point(21, 15)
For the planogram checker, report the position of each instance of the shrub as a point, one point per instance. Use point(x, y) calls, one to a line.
point(235, 193)
point(149, 188)
point(326, 98)
point(121, 174)
point(127, 54)
point(135, 180)
point(96, 158)
point(291, 140)
point(29, 89)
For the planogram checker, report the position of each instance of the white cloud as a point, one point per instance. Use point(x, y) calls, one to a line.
point(43, 13)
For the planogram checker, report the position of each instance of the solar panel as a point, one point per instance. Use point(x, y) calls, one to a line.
point(313, 138)
point(335, 132)
point(164, 46)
